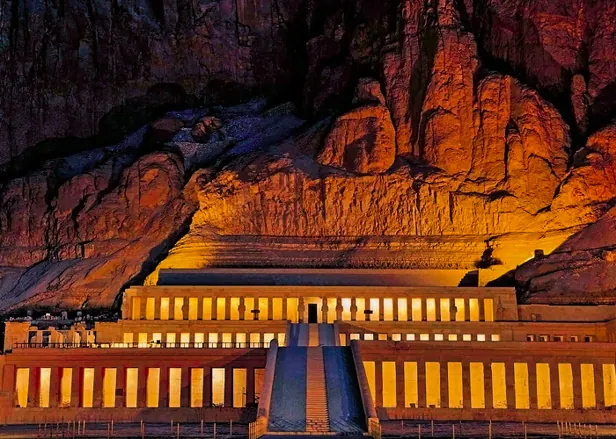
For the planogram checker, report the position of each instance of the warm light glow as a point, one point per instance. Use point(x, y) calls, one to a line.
point(433, 384)
point(609, 385)
point(164, 308)
point(221, 311)
point(132, 381)
point(369, 368)
point(499, 386)
point(331, 310)
point(207, 308)
point(193, 308)
point(263, 308)
point(292, 305)
point(431, 310)
point(346, 309)
point(149, 308)
point(218, 386)
point(478, 398)
point(239, 388)
point(488, 309)
point(389, 383)
point(388, 310)
point(402, 310)
point(87, 387)
point(196, 387)
point(473, 305)
point(136, 308)
point(544, 394)
point(411, 397)
point(277, 308)
point(588, 386)
point(152, 387)
point(109, 387)
point(565, 381)
point(199, 339)
point(66, 385)
point(445, 310)
point(235, 308)
point(454, 385)
point(171, 339)
point(375, 308)
point(175, 387)
point(460, 310)
point(22, 386)
point(416, 313)
point(178, 305)
point(44, 384)
point(184, 338)
point(521, 385)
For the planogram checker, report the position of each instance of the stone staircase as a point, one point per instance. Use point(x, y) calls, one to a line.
point(317, 415)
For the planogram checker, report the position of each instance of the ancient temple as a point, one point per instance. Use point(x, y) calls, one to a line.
point(317, 351)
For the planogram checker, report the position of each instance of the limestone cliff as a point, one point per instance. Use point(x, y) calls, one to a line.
point(431, 133)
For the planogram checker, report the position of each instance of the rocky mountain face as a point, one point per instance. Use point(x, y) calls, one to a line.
point(433, 133)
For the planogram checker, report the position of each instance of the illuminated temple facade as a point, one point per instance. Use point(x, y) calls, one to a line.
point(289, 348)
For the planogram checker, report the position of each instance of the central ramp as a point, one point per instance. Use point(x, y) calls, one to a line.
point(288, 406)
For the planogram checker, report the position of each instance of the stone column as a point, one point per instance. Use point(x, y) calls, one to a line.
point(250, 381)
point(163, 389)
point(324, 310)
point(121, 386)
point(242, 308)
point(353, 309)
point(444, 384)
point(599, 390)
point(339, 309)
point(378, 383)
point(228, 386)
point(207, 386)
point(395, 308)
point(424, 310)
point(142, 387)
point(482, 310)
point(97, 400)
point(185, 395)
point(400, 387)
point(421, 383)
point(227, 308)
point(437, 309)
point(466, 385)
point(381, 315)
point(554, 384)
point(33, 386)
point(467, 310)
point(301, 309)
point(487, 377)
point(214, 308)
point(510, 381)
point(200, 308)
point(284, 314)
point(577, 384)
point(156, 309)
point(54, 386)
point(76, 386)
point(532, 384)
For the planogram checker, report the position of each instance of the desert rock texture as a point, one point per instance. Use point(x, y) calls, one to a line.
point(330, 133)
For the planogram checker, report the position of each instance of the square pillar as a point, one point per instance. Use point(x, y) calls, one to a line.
point(185, 395)
point(532, 384)
point(214, 308)
point(228, 386)
point(33, 386)
point(97, 400)
point(577, 384)
point(599, 391)
point(270, 309)
point(482, 310)
point(200, 308)
point(424, 310)
point(250, 381)
point(554, 385)
point(444, 384)
point(142, 387)
point(227, 308)
point(76, 386)
point(207, 386)
point(467, 310)
point(510, 381)
point(400, 388)
point(381, 315)
point(487, 378)
point(466, 385)
point(395, 310)
point(121, 386)
point(163, 387)
point(54, 387)
point(284, 313)
point(421, 383)
point(378, 383)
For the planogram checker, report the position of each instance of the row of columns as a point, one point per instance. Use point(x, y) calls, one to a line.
point(121, 385)
point(254, 314)
point(487, 371)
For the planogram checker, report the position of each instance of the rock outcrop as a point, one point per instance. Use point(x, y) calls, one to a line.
point(442, 134)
